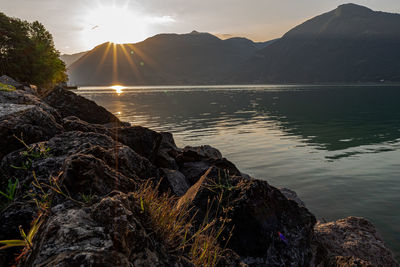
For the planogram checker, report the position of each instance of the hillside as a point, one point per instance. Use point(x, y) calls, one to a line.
point(193, 58)
point(69, 59)
point(349, 44)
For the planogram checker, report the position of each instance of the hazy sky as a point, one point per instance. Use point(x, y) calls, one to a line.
point(79, 25)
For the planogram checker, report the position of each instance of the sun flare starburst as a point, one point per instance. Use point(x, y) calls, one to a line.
point(119, 24)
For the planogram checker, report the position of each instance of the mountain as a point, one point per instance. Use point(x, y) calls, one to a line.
point(349, 44)
point(69, 59)
point(194, 58)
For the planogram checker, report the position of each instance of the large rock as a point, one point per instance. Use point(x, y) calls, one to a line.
point(113, 232)
point(68, 103)
point(27, 122)
point(73, 123)
point(143, 141)
point(353, 239)
point(167, 152)
point(175, 181)
point(10, 81)
point(26, 98)
point(257, 213)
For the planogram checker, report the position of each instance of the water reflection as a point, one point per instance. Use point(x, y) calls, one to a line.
point(328, 118)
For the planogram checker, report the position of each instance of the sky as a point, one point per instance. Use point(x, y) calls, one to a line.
point(80, 25)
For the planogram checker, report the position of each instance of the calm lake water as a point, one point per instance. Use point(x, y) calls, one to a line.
point(338, 147)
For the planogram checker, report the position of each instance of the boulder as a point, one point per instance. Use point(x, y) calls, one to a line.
point(73, 123)
point(30, 123)
point(200, 153)
point(86, 174)
point(22, 97)
point(174, 180)
point(113, 232)
point(10, 81)
point(292, 195)
point(354, 238)
point(143, 141)
point(167, 152)
point(68, 103)
point(256, 214)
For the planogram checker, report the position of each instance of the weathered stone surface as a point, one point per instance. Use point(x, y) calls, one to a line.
point(340, 261)
point(111, 153)
point(259, 212)
point(200, 153)
point(143, 141)
point(73, 123)
point(68, 103)
point(86, 174)
point(10, 81)
point(354, 237)
point(30, 123)
point(113, 232)
point(175, 181)
point(168, 152)
point(25, 98)
point(292, 195)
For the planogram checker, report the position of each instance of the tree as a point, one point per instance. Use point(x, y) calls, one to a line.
point(28, 54)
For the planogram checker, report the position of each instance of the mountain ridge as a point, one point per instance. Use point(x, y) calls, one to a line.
point(351, 43)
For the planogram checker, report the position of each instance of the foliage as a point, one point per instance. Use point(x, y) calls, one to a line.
point(10, 190)
point(26, 240)
point(6, 87)
point(174, 225)
point(36, 151)
point(27, 53)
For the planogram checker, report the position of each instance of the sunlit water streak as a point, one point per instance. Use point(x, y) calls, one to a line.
point(338, 147)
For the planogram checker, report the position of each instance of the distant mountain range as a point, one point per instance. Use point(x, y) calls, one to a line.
point(349, 44)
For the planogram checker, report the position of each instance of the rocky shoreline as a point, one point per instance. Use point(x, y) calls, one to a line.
point(79, 173)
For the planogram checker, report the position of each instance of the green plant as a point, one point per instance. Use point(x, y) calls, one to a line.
point(26, 240)
point(87, 198)
point(10, 190)
point(173, 221)
point(6, 87)
point(36, 151)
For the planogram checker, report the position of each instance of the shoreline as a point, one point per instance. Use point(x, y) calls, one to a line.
point(91, 148)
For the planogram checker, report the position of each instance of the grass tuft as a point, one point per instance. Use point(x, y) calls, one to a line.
point(6, 87)
point(173, 222)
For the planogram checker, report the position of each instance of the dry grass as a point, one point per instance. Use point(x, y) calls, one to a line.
point(174, 224)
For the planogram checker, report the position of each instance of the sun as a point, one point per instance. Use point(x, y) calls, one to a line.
point(118, 88)
point(118, 24)
point(114, 24)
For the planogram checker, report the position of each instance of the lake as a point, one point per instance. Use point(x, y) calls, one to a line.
point(338, 147)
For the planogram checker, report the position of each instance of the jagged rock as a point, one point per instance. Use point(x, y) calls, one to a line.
point(73, 123)
point(200, 153)
point(113, 154)
point(258, 212)
point(340, 261)
point(292, 195)
point(354, 237)
point(113, 232)
point(25, 98)
point(85, 174)
point(194, 170)
point(28, 122)
point(143, 141)
point(68, 103)
point(167, 152)
point(175, 180)
point(10, 81)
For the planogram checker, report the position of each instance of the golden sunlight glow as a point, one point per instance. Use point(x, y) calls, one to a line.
point(118, 24)
point(118, 88)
